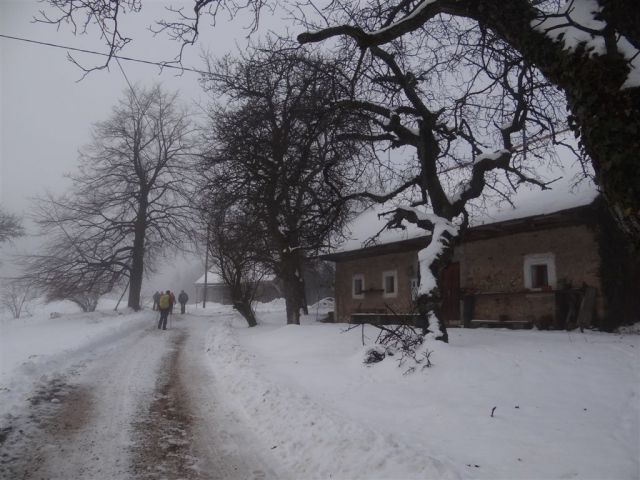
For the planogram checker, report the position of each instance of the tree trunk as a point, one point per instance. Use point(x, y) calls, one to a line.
point(291, 287)
point(291, 292)
point(244, 308)
point(429, 304)
point(242, 303)
point(430, 320)
point(304, 304)
point(289, 272)
point(137, 257)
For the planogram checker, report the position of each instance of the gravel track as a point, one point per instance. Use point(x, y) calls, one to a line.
point(144, 406)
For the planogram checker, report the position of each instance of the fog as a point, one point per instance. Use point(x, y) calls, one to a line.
point(47, 108)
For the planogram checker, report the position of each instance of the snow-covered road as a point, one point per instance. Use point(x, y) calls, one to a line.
point(141, 403)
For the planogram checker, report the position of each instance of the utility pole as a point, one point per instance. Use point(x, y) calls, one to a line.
point(122, 296)
point(206, 266)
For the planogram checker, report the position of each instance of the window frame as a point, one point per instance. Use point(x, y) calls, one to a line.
point(547, 259)
point(394, 274)
point(357, 276)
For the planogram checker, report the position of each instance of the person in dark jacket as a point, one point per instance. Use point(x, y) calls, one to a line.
point(183, 298)
point(156, 299)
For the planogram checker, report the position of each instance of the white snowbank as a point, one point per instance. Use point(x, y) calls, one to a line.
point(310, 440)
point(33, 347)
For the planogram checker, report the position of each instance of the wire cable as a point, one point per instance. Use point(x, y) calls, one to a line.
point(117, 57)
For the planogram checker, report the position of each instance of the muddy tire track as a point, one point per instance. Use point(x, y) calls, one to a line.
point(76, 424)
point(56, 410)
point(164, 440)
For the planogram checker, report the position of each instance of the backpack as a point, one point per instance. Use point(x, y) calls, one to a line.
point(164, 302)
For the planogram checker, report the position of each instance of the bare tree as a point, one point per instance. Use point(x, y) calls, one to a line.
point(593, 62)
point(14, 296)
point(281, 150)
point(10, 226)
point(587, 49)
point(64, 272)
point(182, 23)
point(128, 202)
point(234, 255)
point(476, 134)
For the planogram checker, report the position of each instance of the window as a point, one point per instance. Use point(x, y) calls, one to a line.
point(390, 283)
point(357, 289)
point(539, 276)
point(540, 271)
point(415, 285)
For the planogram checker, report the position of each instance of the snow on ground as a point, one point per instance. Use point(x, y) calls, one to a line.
point(566, 404)
point(38, 345)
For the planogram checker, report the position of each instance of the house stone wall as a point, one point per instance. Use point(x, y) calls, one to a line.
point(371, 268)
point(493, 270)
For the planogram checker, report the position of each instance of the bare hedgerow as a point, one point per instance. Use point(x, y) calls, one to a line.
point(14, 297)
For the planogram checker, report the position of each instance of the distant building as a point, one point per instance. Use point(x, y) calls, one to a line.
point(553, 270)
point(219, 292)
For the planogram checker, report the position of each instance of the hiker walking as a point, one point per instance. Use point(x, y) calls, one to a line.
point(164, 304)
point(183, 298)
point(172, 298)
point(156, 298)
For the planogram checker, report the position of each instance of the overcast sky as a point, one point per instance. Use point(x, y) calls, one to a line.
point(46, 113)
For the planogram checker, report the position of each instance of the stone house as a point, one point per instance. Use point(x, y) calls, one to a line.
point(552, 270)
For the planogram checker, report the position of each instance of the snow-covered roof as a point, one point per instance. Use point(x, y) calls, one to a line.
point(575, 25)
point(216, 279)
point(212, 279)
point(527, 203)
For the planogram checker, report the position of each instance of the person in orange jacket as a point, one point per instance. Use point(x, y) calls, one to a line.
point(172, 299)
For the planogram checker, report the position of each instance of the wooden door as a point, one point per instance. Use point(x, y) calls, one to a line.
point(450, 283)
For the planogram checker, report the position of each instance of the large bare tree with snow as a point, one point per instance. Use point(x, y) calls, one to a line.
point(588, 49)
point(473, 124)
point(129, 200)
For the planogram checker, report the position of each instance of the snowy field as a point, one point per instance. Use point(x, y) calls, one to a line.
point(566, 404)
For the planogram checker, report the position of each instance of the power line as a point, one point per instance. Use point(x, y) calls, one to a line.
point(92, 52)
point(135, 97)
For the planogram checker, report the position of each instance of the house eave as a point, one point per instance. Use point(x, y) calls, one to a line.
point(581, 215)
point(415, 243)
